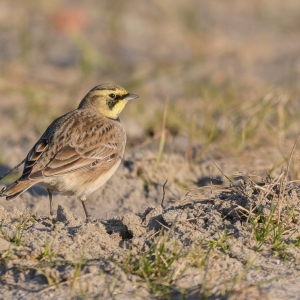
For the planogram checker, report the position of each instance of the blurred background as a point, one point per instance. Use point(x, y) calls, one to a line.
point(226, 74)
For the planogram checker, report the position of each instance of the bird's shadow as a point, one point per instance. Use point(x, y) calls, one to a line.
point(3, 169)
point(37, 191)
point(206, 181)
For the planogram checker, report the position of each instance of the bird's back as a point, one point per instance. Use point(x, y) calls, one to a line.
point(77, 144)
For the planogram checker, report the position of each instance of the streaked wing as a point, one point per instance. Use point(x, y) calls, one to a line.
point(101, 144)
point(33, 157)
point(71, 159)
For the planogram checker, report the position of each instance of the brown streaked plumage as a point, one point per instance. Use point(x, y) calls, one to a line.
point(80, 150)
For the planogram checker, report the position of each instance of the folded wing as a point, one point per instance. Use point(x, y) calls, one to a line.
point(100, 146)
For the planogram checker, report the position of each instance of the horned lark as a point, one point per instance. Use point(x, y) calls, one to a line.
point(80, 150)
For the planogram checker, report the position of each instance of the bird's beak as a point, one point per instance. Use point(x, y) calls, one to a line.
point(131, 96)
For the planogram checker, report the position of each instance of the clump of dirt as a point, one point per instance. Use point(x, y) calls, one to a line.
point(238, 242)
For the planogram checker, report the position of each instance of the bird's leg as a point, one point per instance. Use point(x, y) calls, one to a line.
point(87, 216)
point(50, 202)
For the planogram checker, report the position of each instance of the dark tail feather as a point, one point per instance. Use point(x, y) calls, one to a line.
point(16, 189)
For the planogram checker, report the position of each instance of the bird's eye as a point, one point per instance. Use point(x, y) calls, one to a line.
point(112, 96)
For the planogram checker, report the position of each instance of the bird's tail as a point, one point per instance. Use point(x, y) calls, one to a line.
point(16, 189)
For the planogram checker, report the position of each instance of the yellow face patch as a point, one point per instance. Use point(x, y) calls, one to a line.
point(109, 99)
point(114, 111)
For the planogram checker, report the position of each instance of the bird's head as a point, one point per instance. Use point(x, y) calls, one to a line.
point(109, 99)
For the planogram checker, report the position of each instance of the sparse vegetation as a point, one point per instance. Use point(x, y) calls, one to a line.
point(220, 243)
point(16, 238)
point(47, 252)
point(231, 220)
point(157, 265)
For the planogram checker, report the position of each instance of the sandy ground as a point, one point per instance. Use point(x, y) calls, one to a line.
point(224, 230)
point(65, 257)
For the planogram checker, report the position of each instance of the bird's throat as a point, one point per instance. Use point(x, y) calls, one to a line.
point(115, 111)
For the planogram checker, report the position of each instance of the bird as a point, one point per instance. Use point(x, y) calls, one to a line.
point(79, 151)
